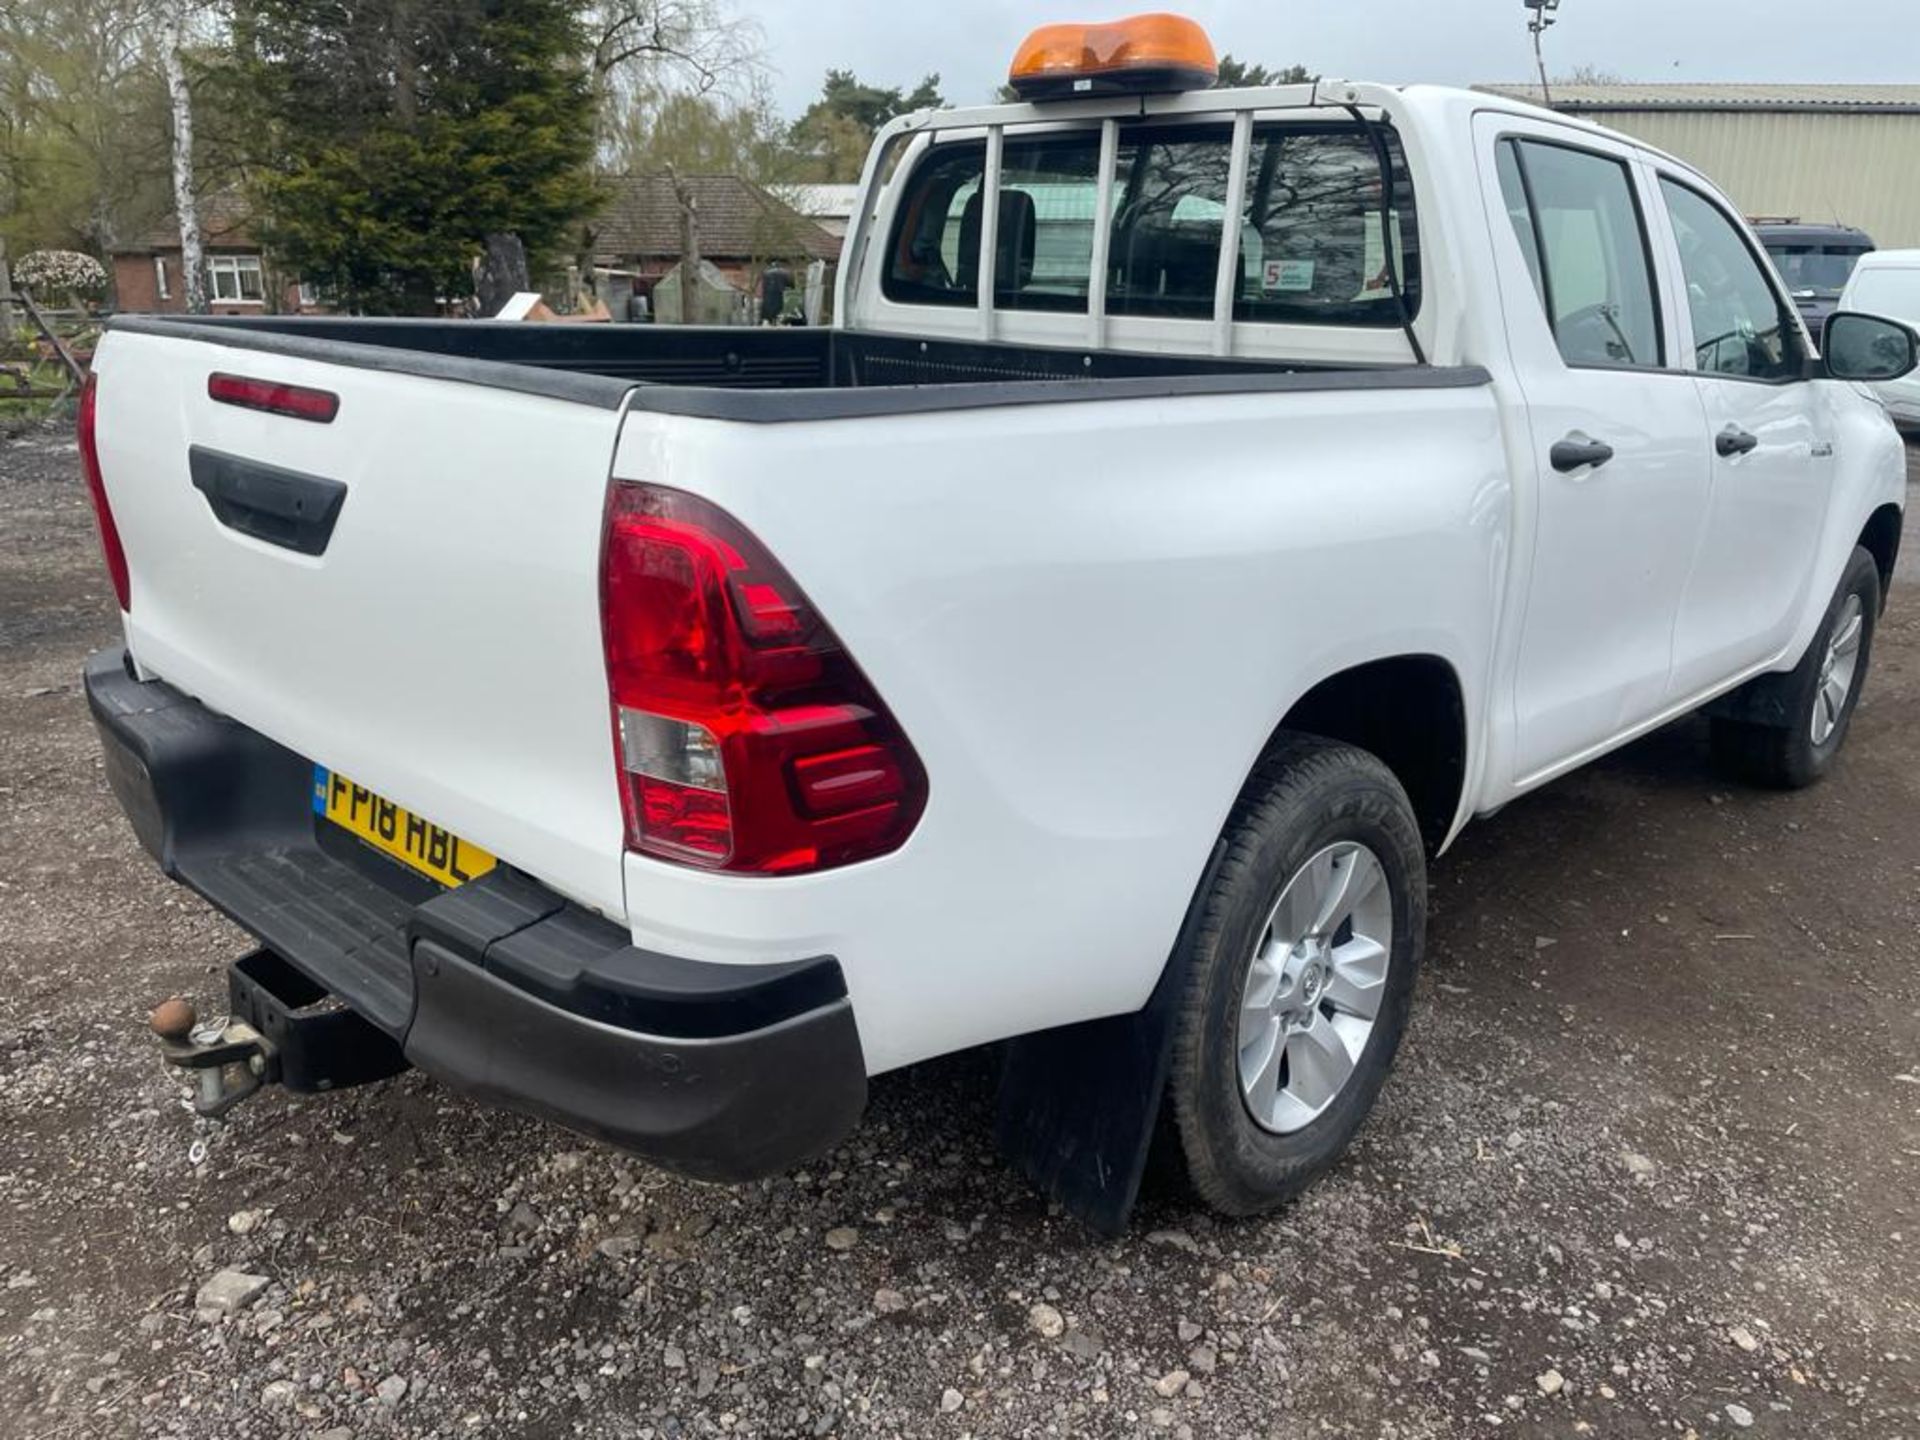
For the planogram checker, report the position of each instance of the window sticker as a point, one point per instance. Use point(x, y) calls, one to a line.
point(1287, 276)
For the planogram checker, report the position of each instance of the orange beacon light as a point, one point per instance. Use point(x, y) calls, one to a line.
point(1141, 55)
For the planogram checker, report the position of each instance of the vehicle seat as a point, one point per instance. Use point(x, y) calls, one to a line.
point(1019, 233)
point(1172, 261)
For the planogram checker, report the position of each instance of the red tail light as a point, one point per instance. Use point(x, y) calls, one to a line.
point(110, 546)
point(296, 401)
point(747, 738)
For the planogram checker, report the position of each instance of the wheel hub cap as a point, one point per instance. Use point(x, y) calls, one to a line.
point(1314, 987)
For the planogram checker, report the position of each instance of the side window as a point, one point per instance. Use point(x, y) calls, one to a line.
point(1513, 190)
point(1580, 229)
point(1740, 324)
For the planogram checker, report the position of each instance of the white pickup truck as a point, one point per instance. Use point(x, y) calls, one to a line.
point(1084, 645)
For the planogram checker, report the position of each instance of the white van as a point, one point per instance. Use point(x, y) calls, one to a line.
point(1888, 283)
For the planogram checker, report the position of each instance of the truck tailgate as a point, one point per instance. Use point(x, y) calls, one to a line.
point(444, 647)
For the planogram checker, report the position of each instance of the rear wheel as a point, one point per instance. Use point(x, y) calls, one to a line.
point(1815, 701)
point(1299, 974)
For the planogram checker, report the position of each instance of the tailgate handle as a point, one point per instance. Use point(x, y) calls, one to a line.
point(282, 507)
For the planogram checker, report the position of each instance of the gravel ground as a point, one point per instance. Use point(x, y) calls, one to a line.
point(1648, 1166)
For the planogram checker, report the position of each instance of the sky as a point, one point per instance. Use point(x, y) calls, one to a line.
point(1457, 42)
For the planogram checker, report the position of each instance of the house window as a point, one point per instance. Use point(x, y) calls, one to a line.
point(238, 277)
point(160, 287)
point(309, 294)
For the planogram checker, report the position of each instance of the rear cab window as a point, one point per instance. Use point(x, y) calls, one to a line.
point(1045, 248)
point(1311, 247)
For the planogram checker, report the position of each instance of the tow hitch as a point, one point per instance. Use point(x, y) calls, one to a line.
point(229, 1057)
point(281, 1029)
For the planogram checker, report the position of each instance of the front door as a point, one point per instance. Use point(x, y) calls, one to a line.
point(1618, 440)
point(1770, 451)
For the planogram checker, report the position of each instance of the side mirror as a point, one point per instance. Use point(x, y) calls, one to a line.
point(1866, 347)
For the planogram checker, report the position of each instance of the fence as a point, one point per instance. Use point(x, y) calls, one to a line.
point(44, 352)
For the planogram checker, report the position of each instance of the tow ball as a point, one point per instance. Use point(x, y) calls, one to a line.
point(280, 1029)
point(230, 1059)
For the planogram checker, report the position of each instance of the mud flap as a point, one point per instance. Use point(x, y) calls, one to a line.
point(1767, 699)
point(1078, 1105)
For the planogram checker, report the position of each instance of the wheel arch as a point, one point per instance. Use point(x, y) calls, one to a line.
point(1880, 538)
point(1410, 712)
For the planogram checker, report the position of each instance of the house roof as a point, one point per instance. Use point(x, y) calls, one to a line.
point(737, 220)
point(822, 202)
point(1821, 99)
point(226, 223)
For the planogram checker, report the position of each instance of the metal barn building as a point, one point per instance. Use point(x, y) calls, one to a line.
point(1845, 154)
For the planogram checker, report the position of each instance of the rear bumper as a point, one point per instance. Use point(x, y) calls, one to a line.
point(502, 988)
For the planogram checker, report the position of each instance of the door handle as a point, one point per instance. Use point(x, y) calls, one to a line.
point(1579, 450)
point(282, 507)
point(1734, 441)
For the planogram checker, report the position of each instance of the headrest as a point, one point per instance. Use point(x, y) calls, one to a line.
point(1019, 229)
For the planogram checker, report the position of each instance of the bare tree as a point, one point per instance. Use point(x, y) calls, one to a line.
point(193, 270)
point(644, 50)
point(1589, 75)
point(700, 38)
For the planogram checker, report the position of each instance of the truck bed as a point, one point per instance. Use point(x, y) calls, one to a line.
point(767, 374)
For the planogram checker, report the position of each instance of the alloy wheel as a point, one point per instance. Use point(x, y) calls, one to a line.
point(1314, 989)
point(1838, 670)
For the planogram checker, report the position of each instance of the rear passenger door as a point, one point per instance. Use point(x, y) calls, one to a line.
point(1771, 447)
point(1618, 438)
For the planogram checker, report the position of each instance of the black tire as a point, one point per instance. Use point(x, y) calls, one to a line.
point(1306, 795)
point(1778, 750)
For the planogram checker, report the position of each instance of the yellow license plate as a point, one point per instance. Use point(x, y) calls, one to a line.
point(418, 844)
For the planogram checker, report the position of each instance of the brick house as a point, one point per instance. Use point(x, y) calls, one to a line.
point(147, 276)
point(742, 229)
